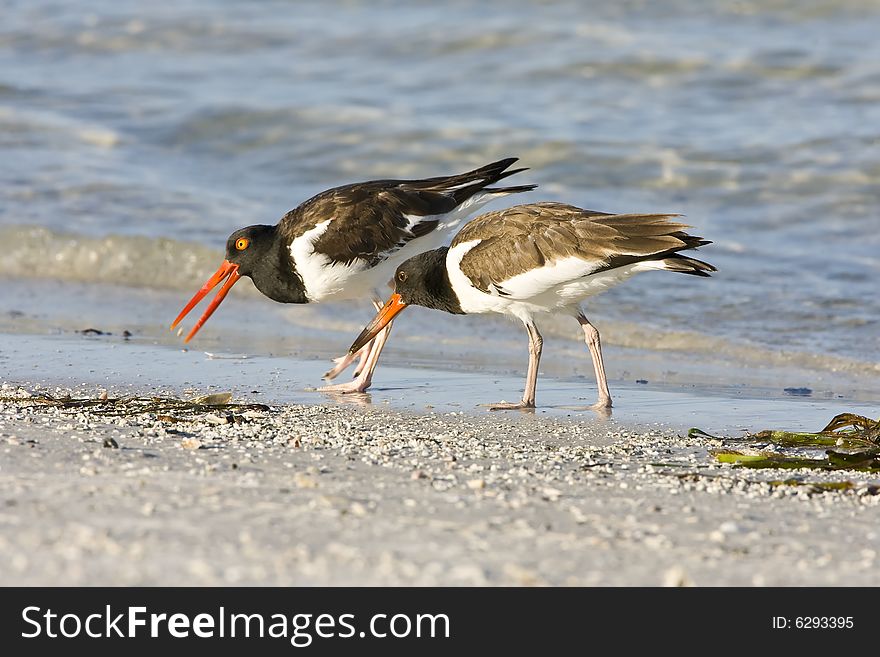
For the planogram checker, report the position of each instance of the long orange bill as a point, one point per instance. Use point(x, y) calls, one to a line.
point(227, 269)
point(393, 306)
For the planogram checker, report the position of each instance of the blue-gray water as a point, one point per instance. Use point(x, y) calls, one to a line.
point(135, 136)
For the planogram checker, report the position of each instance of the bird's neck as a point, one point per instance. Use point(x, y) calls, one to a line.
point(437, 291)
point(275, 274)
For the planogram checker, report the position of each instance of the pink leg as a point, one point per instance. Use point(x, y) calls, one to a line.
point(591, 337)
point(343, 362)
point(365, 356)
point(536, 343)
point(365, 377)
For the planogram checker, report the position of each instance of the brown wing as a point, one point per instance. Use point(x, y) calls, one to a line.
point(372, 220)
point(527, 237)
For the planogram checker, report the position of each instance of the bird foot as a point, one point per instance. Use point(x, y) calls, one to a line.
point(510, 406)
point(346, 388)
point(602, 404)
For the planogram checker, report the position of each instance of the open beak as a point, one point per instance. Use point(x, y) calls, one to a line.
point(394, 305)
point(227, 269)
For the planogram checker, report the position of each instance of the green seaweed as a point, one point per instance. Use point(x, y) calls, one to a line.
point(795, 439)
point(846, 430)
point(764, 460)
point(857, 434)
point(820, 486)
point(693, 432)
point(866, 461)
point(860, 428)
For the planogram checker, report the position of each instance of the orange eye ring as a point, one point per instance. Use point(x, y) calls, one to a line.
point(242, 243)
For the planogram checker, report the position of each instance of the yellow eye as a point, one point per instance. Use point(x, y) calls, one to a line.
point(401, 276)
point(242, 243)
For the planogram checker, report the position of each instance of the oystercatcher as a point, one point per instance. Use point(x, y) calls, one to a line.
point(539, 258)
point(346, 242)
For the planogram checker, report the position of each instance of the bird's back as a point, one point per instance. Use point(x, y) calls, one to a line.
point(347, 241)
point(547, 244)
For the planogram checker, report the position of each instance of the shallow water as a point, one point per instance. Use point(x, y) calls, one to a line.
point(134, 137)
point(133, 368)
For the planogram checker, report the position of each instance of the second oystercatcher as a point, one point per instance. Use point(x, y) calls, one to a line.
point(539, 258)
point(346, 242)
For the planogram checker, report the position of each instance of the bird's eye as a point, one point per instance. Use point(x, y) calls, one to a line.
point(242, 243)
point(401, 276)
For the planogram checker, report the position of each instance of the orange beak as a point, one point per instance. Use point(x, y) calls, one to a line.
point(394, 305)
point(227, 269)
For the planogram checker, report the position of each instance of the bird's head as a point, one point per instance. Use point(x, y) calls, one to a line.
point(248, 247)
point(419, 281)
point(246, 253)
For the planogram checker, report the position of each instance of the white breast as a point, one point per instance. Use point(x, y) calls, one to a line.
point(471, 300)
point(322, 277)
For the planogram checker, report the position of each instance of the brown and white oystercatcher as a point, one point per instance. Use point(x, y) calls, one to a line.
point(346, 242)
point(539, 258)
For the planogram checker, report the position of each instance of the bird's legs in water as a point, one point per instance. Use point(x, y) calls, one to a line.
point(364, 376)
point(591, 337)
point(536, 342)
point(343, 362)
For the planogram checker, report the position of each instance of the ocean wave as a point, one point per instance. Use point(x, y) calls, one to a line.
point(637, 336)
point(141, 33)
point(22, 127)
point(135, 261)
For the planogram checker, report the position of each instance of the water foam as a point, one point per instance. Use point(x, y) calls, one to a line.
point(135, 261)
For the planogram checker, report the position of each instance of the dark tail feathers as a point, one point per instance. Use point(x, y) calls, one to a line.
point(509, 190)
point(464, 185)
point(686, 265)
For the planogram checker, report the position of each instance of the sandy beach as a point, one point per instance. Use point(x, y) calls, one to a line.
point(357, 491)
point(137, 137)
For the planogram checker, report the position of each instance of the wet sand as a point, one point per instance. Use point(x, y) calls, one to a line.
point(399, 487)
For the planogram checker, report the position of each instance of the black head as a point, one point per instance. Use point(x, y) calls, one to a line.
point(256, 252)
point(246, 247)
point(262, 255)
point(423, 281)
